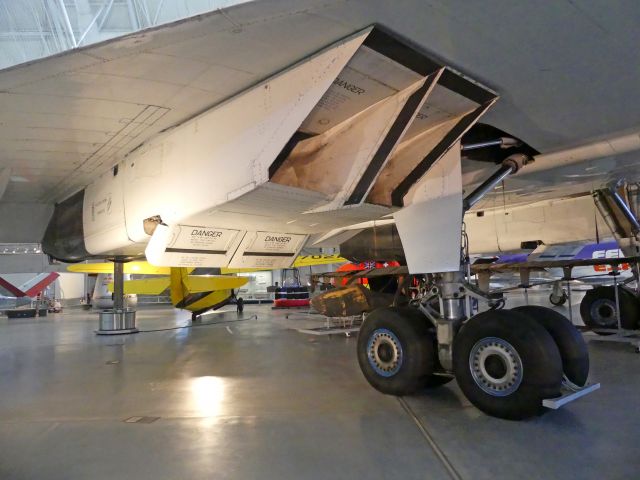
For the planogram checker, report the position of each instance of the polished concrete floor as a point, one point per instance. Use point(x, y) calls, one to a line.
point(255, 399)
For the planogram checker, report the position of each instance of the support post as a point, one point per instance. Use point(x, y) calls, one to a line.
point(614, 271)
point(567, 277)
point(118, 285)
point(525, 276)
point(120, 319)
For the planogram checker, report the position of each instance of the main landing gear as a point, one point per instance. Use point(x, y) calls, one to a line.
point(505, 361)
point(509, 363)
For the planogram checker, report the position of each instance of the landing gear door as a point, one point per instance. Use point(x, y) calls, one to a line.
point(430, 226)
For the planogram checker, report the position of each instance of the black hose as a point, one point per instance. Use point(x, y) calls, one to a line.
point(208, 324)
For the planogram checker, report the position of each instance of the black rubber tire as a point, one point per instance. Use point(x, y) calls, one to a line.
point(557, 301)
point(572, 347)
point(412, 331)
point(629, 308)
point(541, 373)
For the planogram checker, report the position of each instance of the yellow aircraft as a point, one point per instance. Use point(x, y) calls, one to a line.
point(197, 290)
point(196, 293)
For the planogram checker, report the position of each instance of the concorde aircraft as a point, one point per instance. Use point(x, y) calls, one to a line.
point(234, 138)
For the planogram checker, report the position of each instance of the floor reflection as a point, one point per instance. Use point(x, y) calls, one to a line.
point(208, 393)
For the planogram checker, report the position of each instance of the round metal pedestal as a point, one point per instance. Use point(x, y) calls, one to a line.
point(117, 322)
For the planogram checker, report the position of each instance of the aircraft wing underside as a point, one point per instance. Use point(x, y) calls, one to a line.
point(262, 124)
point(340, 137)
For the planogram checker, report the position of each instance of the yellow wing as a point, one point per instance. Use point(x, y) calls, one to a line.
point(145, 286)
point(148, 269)
point(302, 261)
point(192, 284)
point(129, 267)
point(309, 260)
point(209, 283)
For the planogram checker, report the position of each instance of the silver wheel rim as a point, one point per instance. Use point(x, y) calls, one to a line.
point(496, 366)
point(383, 340)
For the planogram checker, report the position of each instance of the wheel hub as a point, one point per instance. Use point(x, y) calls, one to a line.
point(603, 312)
point(384, 352)
point(496, 366)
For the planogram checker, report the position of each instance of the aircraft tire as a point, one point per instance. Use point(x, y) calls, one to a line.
point(572, 347)
point(558, 301)
point(598, 307)
point(395, 350)
point(506, 364)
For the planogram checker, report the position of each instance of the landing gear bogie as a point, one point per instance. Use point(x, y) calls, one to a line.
point(506, 362)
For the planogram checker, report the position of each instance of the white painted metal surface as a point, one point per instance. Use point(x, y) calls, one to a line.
point(228, 172)
point(192, 245)
point(103, 215)
point(267, 250)
point(226, 152)
point(430, 226)
point(569, 396)
point(344, 161)
point(550, 221)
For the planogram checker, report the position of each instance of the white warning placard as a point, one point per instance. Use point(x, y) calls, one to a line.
point(192, 246)
point(268, 250)
point(209, 240)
